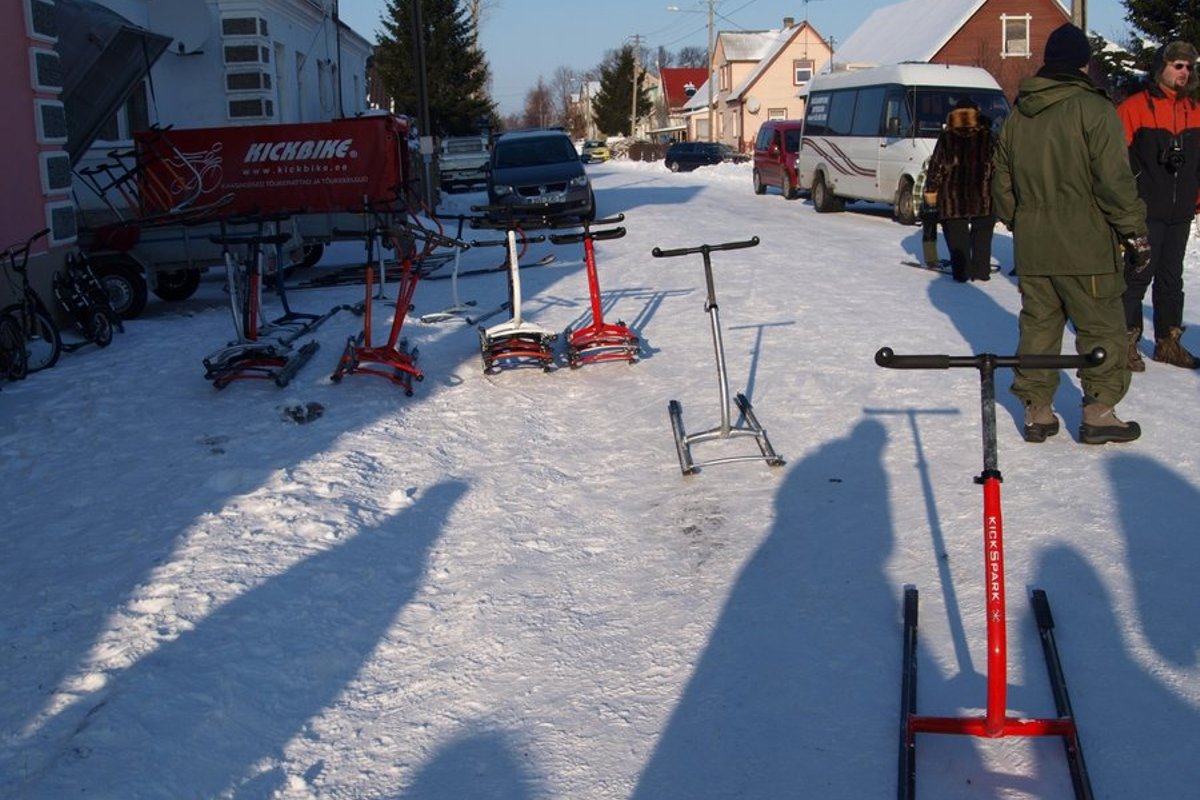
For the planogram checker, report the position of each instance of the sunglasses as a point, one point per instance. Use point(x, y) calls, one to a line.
point(1182, 65)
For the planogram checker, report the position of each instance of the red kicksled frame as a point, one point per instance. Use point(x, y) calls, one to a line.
point(599, 341)
point(995, 722)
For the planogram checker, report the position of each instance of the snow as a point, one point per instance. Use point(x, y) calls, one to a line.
point(504, 587)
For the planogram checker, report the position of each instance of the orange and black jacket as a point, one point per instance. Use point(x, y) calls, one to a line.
point(1162, 131)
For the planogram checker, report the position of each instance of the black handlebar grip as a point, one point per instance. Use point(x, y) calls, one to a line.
point(885, 357)
point(704, 248)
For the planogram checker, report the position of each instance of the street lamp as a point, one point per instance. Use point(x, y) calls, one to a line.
point(712, 97)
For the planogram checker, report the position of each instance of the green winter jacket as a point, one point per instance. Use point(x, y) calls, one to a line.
point(1061, 179)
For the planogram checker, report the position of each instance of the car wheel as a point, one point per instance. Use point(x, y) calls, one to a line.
point(789, 192)
point(177, 284)
point(673, 166)
point(759, 186)
point(823, 199)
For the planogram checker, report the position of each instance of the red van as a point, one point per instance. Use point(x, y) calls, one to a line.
point(775, 150)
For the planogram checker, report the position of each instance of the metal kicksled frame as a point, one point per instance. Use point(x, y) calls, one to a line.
point(727, 429)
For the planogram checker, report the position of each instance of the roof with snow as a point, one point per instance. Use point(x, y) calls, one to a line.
point(782, 38)
point(912, 30)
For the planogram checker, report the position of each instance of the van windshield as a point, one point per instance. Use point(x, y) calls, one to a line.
point(931, 106)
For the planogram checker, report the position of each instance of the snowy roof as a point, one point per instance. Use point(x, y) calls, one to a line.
point(912, 30)
point(782, 39)
point(747, 45)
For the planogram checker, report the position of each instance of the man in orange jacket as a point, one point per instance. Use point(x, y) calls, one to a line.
point(1162, 131)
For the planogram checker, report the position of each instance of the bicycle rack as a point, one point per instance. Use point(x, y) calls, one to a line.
point(599, 341)
point(392, 360)
point(514, 342)
point(248, 356)
point(727, 429)
point(995, 723)
point(457, 308)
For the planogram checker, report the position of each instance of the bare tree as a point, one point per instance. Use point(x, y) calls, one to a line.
point(539, 106)
point(692, 57)
point(564, 84)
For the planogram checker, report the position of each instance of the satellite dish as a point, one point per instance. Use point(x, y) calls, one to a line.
point(187, 22)
point(752, 105)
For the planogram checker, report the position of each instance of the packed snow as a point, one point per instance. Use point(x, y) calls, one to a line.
point(504, 587)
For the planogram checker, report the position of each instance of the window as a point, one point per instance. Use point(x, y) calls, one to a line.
point(868, 111)
point(243, 26)
point(841, 112)
point(247, 81)
point(816, 116)
point(133, 115)
point(259, 107)
point(247, 54)
point(897, 115)
point(776, 113)
point(802, 71)
point(1015, 36)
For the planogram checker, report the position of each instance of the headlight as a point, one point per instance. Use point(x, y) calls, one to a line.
point(500, 190)
point(580, 180)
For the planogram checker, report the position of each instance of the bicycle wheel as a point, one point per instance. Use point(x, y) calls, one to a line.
point(100, 324)
point(12, 350)
point(42, 342)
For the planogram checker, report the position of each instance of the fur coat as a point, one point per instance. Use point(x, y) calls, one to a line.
point(960, 169)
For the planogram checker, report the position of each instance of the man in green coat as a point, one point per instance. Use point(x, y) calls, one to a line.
point(1063, 185)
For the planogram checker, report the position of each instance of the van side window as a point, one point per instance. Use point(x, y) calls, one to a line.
point(791, 140)
point(816, 118)
point(841, 112)
point(868, 112)
point(897, 116)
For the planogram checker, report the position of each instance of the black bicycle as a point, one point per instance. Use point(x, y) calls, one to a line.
point(83, 297)
point(34, 343)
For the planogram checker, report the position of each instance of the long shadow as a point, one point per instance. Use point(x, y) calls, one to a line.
point(1139, 737)
point(1164, 579)
point(481, 766)
point(793, 696)
point(195, 717)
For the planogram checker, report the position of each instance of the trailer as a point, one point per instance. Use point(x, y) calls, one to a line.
point(166, 198)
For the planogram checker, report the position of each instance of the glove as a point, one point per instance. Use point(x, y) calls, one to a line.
point(1137, 254)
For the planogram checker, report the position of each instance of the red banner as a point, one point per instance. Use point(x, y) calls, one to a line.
point(275, 169)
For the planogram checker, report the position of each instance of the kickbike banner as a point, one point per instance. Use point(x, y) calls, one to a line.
point(341, 165)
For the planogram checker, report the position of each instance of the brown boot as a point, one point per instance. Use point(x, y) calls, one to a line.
point(1136, 364)
point(1170, 350)
point(1101, 425)
point(1040, 422)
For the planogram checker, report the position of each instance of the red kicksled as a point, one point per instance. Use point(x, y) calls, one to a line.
point(995, 722)
point(599, 341)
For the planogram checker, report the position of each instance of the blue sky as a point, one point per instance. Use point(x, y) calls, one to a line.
point(524, 39)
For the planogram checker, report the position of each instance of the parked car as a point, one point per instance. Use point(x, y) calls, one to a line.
point(686, 156)
point(540, 166)
point(775, 150)
point(462, 161)
point(595, 150)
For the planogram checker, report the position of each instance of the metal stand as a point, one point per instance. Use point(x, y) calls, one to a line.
point(995, 722)
point(727, 429)
point(600, 341)
point(514, 342)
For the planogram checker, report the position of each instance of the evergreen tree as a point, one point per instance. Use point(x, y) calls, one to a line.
point(615, 100)
point(456, 73)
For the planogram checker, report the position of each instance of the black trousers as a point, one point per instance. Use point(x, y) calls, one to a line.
point(1168, 245)
point(969, 240)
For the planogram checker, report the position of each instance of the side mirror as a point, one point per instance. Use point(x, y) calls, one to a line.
point(893, 126)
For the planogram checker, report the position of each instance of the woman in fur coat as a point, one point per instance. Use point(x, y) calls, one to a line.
point(958, 181)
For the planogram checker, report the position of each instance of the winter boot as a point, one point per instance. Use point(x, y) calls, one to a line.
point(1170, 350)
point(1136, 364)
point(1040, 422)
point(1101, 425)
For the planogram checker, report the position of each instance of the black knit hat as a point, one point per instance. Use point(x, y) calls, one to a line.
point(1067, 48)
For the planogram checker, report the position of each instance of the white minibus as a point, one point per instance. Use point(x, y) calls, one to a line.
point(868, 132)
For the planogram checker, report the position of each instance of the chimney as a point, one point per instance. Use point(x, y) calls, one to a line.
point(789, 22)
point(1079, 14)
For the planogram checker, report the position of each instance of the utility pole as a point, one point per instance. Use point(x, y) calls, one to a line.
point(637, 60)
point(1079, 14)
point(712, 92)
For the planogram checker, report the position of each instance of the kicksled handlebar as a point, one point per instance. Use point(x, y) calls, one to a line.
point(704, 248)
point(886, 358)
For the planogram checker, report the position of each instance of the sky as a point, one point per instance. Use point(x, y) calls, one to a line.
point(504, 588)
point(525, 39)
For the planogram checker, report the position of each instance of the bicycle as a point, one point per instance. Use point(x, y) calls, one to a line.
point(84, 298)
point(35, 343)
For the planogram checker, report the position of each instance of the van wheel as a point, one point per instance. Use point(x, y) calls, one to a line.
point(789, 191)
point(122, 279)
point(759, 188)
point(178, 284)
point(906, 207)
point(823, 199)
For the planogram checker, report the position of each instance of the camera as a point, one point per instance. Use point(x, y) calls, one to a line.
point(1171, 156)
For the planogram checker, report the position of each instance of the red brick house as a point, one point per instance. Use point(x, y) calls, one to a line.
point(1005, 37)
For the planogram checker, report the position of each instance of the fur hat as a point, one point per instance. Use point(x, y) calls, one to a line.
point(964, 116)
point(1175, 51)
point(1067, 48)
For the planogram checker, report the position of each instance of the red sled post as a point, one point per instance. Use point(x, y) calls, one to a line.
point(995, 723)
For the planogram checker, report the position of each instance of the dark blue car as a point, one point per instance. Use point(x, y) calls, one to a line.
point(685, 156)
